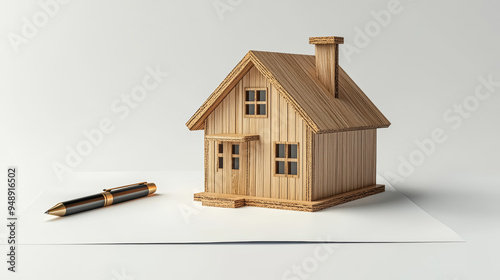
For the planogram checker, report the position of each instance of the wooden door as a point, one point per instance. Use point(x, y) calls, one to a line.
point(234, 167)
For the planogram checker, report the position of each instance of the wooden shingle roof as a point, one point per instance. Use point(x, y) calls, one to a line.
point(294, 76)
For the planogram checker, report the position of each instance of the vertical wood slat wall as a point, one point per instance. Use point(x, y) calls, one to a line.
point(283, 124)
point(343, 161)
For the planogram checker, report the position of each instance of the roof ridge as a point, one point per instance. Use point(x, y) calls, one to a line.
point(299, 54)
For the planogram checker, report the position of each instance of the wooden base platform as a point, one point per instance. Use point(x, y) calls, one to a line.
point(235, 201)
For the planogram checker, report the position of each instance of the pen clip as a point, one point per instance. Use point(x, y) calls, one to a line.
point(141, 183)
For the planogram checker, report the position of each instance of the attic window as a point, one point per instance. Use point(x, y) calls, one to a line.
point(286, 159)
point(256, 102)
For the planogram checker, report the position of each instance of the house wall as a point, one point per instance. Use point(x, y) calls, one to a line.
point(343, 161)
point(282, 124)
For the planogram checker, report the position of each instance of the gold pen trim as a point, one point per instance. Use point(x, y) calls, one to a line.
point(151, 188)
point(108, 198)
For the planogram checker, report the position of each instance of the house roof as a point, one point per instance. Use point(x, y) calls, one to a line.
point(294, 76)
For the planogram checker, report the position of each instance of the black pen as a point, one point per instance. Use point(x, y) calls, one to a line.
point(106, 198)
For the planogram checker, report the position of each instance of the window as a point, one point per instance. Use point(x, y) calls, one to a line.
point(256, 102)
point(286, 159)
point(221, 162)
point(235, 156)
point(220, 156)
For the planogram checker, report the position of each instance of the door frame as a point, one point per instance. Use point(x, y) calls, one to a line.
point(234, 180)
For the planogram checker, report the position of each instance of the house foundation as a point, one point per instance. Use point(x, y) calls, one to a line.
point(235, 201)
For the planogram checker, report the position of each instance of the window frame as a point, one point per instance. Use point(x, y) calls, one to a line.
point(286, 159)
point(220, 155)
point(233, 156)
point(255, 102)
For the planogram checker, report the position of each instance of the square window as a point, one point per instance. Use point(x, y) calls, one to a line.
point(261, 95)
point(280, 167)
point(221, 148)
point(280, 150)
point(236, 163)
point(292, 168)
point(261, 109)
point(286, 159)
point(250, 95)
point(236, 149)
point(250, 109)
point(255, 104)
point(221, 162)
point(292, 151)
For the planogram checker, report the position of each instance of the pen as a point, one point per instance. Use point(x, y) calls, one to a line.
point(106, 198)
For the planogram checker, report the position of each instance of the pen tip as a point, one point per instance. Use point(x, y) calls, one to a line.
point(57, 210)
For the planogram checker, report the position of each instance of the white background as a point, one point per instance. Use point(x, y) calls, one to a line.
point(427, 58)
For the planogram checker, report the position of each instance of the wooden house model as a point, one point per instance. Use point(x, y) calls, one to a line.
point(289, 131)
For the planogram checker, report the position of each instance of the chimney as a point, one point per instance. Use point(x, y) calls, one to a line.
point(327, 61)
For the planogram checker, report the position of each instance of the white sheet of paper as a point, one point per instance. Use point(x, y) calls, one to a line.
point(171, 216)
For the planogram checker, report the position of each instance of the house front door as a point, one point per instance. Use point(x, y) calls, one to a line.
point(234, 167)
